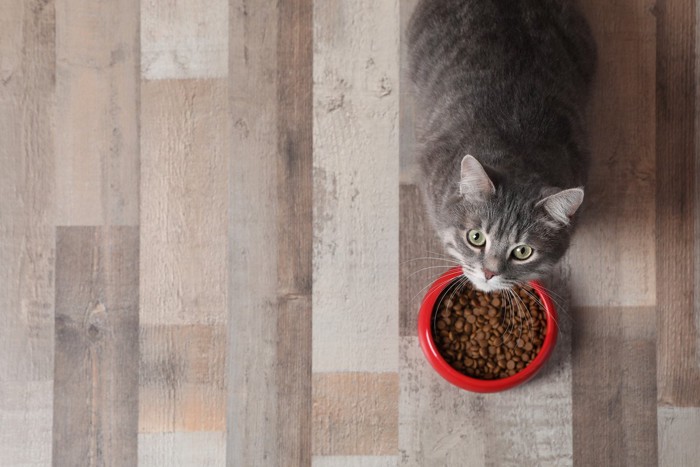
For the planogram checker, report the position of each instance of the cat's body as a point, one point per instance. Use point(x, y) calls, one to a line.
point(505, 81)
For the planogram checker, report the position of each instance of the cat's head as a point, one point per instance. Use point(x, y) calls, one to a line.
point(504, 233)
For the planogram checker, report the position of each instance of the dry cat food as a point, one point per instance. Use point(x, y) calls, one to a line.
point(489, 335)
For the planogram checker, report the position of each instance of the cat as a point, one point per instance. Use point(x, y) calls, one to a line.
point(501, 87)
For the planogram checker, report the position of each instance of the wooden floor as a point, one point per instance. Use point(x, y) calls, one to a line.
point(211, 243)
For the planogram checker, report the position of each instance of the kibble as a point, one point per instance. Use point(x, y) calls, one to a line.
point(489, 335)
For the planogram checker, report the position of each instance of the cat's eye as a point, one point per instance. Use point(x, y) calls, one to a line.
point(476, 237)
point(522, 252)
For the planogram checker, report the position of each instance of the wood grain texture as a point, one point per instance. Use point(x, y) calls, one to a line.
point(618, 216)
point(184, 183)
point(355, 414)
point(27, 241)
point(96, 365)
point(182, 378)
point(678, 436)
point(442, 425)
point(182, 384)
point(614, 386)
point(193, 449)
point(678, 351)
point(184, 39)
point(356, 74)
point(270, 234)
point(421, 258)
point(97, 86)
point(355, 461)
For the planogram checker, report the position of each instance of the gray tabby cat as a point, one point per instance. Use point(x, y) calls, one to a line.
point(502, 86)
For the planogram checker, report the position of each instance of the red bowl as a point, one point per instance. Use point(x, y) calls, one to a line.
point(427, 342)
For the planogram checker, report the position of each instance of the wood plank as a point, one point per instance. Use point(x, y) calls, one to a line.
point(27, 241)
point(183, 317)
point(618, 215)
point(441, 424)
point(184, 184)
point(270, 233)
point(193, 449)
point(96, 365)
point(356, 198)
point(294, 188)
point(96, 98)
point(614, 386)
point(182, 368)
point(679, 428)
point(355, 414)
point(183, 39)
point(678, 348)
point(421, 257)
point(355, 461)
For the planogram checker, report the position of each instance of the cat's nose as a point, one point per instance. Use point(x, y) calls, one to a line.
point(488, 274)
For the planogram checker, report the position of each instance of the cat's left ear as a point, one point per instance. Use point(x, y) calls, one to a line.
point(562, 205)
point(475, 182)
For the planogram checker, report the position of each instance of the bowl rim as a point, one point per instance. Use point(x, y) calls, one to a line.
point(427, 342)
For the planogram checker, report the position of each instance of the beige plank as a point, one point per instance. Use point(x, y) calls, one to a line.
point(355, 297)
point(355, 414)
point(195, 449)
point(678, 325)
point(183, 317)
point(182, 378)
point(184, 39)
point(97, 129)
point(27, 242)
point(270, 233)
point(679, 431)
point(95, 412)
point(613, 248)
point(442, 425)
point(614, 386)
point(355, 461)
point(184, 148)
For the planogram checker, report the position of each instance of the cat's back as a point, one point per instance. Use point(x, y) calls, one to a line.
point(499, 66)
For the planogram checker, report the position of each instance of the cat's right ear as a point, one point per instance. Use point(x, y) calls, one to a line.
point(475, 182)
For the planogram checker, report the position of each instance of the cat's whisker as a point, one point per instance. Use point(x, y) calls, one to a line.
point(549, 316)
point(425, 269)
point(537, 299)
point(430, 283)
point(428, 258)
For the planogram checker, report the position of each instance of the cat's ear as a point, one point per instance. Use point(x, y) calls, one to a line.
point(475, 182)
point(562, 205)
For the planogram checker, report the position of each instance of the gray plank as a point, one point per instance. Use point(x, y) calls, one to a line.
point(421, 257)
point(95, 418)
point(294, 187)
point(27, 242)
point(442, 425)
point(678, 364)
point(614, 386)
point(679, 431)
point(618, 213)
point(270, 238)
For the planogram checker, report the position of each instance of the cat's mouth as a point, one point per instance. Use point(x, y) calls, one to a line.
point(495, 283)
